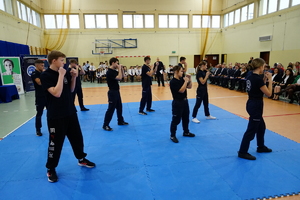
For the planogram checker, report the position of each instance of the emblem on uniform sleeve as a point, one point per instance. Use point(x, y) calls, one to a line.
point(248, 87)
point(65, 80)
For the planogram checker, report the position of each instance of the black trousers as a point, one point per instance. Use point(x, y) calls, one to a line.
point(256, 125)
point(160, 78)
point(131, 78)
point(92, 74)
point(242, 85)
point(202, 95)
point(78, 91)
point(146, 99)
point(114, 102)
point(180, 111)
point(58, 129)
point(40, 104)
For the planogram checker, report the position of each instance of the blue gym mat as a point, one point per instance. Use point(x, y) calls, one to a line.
point(139, 161)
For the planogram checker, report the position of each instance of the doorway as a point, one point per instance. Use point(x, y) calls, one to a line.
point(212, 59)
point(266, 56)
point(224, 58)
point(197, 59)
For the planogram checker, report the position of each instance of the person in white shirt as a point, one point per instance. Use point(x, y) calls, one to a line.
point(92, 72)
point(131, 73)
point(138, 73)
point(170, 72)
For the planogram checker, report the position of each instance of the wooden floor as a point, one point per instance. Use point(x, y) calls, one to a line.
point(281, 117)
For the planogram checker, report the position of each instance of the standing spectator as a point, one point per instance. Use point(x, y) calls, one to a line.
point(92, 72)
point(182, 63)
point(250, 61)
point(160, 70)
point(170, 72)
point(40, 99)
point(114, 97)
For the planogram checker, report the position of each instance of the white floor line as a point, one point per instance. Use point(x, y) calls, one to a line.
point(227, 97)
point(18, 127)
point(156, 96)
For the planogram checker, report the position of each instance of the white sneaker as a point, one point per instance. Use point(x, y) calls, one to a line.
point(195, 120)
point(210, 117)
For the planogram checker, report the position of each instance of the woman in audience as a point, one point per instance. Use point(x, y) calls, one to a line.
point(242, 79)
point(291, 89)
point(138, 72)
point(125, 74)
point(297, 68)
point(287, 79)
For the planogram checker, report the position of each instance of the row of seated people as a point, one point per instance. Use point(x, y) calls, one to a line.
point(284, 82)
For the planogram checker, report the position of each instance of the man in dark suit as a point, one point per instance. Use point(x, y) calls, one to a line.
point(159, 72)
point(234, 77)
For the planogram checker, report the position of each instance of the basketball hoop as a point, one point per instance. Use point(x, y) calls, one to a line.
point(101, 53)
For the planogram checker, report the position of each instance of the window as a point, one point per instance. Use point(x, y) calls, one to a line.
point(127, 21)
point(138, 21)
point(149, 21)
point(225, 20)
point(89, 21)
point(205, 21)
point(244, 15)
point(163, 21)
point(237, 16)
point(196, 21)
point(101, 21)
point(61, 21)
point(283, 4)
point(74, 21)
point(295, 2)
point(183, 21)
point(230, 18)
point(215, 21)
point(251, 11)
point(2, 5)
point(173, 21)
point(112, 21)
point(27, 14)
point(272, 6)
point(49, 21)
point(6, 6)
point(263, 7)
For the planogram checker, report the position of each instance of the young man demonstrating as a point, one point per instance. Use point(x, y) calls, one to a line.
point(147, 73)
point(61, 113)
point(114, 98)
point(40, 100)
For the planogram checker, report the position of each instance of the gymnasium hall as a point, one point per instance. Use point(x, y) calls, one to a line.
point(139, 161)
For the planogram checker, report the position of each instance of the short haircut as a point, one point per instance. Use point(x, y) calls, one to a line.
point(38, 61)
point(113, 60)
point(73, 61)
point(176, 68)
point(267, 66)
point(256, 63)
point(147, 58)
point(54, 55)
point(182, 58)
point(9, 60)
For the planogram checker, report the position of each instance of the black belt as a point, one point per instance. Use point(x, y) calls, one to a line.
point(180, 99)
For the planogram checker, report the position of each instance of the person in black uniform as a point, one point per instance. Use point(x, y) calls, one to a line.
point(202, 94)
point(78, 88)
point(182, 63)
point(180, 105)
point(62, 119)
point(40, 99)
point(160, 70)
point(147, 73)
point(256, 88)
point(114, 98)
